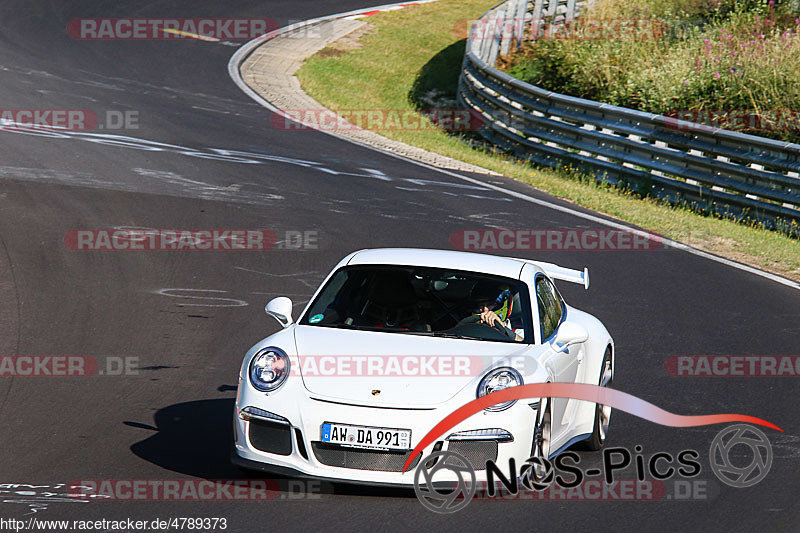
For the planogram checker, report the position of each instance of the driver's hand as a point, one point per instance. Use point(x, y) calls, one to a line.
point(489, 317)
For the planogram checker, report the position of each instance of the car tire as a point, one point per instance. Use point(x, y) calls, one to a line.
point(602, 413)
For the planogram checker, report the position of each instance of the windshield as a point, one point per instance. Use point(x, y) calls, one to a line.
point(424, 301)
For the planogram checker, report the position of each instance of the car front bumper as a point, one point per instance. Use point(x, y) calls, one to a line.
point(292, 445)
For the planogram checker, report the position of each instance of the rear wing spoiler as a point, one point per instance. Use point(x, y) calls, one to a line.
point(562, 273)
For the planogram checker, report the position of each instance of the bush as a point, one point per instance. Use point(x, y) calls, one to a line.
point(714, 57)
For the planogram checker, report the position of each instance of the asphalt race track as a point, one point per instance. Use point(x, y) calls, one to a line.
point(189, 316)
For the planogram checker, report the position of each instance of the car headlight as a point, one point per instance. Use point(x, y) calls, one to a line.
point(499, 379)
point(269, 369)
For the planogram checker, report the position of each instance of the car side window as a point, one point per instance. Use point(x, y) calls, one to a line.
point(550, 308)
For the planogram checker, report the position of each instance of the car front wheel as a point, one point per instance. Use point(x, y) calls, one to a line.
point(602, 413)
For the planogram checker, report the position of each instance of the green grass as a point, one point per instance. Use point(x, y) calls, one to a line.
point(411, 57)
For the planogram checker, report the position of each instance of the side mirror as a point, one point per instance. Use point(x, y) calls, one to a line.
point(281, 310)
point(569, 333)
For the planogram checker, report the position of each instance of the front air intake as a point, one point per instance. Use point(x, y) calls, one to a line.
point(271, 437)
point(357, 459)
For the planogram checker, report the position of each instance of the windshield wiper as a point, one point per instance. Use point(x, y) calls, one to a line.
point(342, 325)
point(453, 336)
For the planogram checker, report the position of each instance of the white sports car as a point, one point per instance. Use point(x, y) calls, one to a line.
point(393, 341)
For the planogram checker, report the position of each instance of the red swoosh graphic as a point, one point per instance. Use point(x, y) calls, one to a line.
point(579, 391)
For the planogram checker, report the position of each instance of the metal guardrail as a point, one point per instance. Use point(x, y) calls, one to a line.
point(730, 173)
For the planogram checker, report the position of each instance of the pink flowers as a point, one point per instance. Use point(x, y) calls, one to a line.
point(734, 50)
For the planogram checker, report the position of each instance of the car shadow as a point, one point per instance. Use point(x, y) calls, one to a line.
point(195, 439)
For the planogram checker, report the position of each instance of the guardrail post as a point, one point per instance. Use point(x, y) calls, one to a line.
point(519, 21)
point(507, 32)
point(497, 32)
point(507, 29)
point(552, 5)
point(537, 20)
point(486, 37)
point(571, 10)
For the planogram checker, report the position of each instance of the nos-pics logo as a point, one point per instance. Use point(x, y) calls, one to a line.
point(445, 482)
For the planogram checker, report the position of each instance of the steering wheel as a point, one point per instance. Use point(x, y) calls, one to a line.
point(476, 319)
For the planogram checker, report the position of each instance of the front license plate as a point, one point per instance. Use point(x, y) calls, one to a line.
point(366, 437)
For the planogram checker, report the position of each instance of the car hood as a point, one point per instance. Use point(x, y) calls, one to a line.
point(394, 369)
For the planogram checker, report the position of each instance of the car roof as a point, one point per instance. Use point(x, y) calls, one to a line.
point(490, 264)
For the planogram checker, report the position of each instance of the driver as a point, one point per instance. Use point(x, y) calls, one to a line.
point(498, 316)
